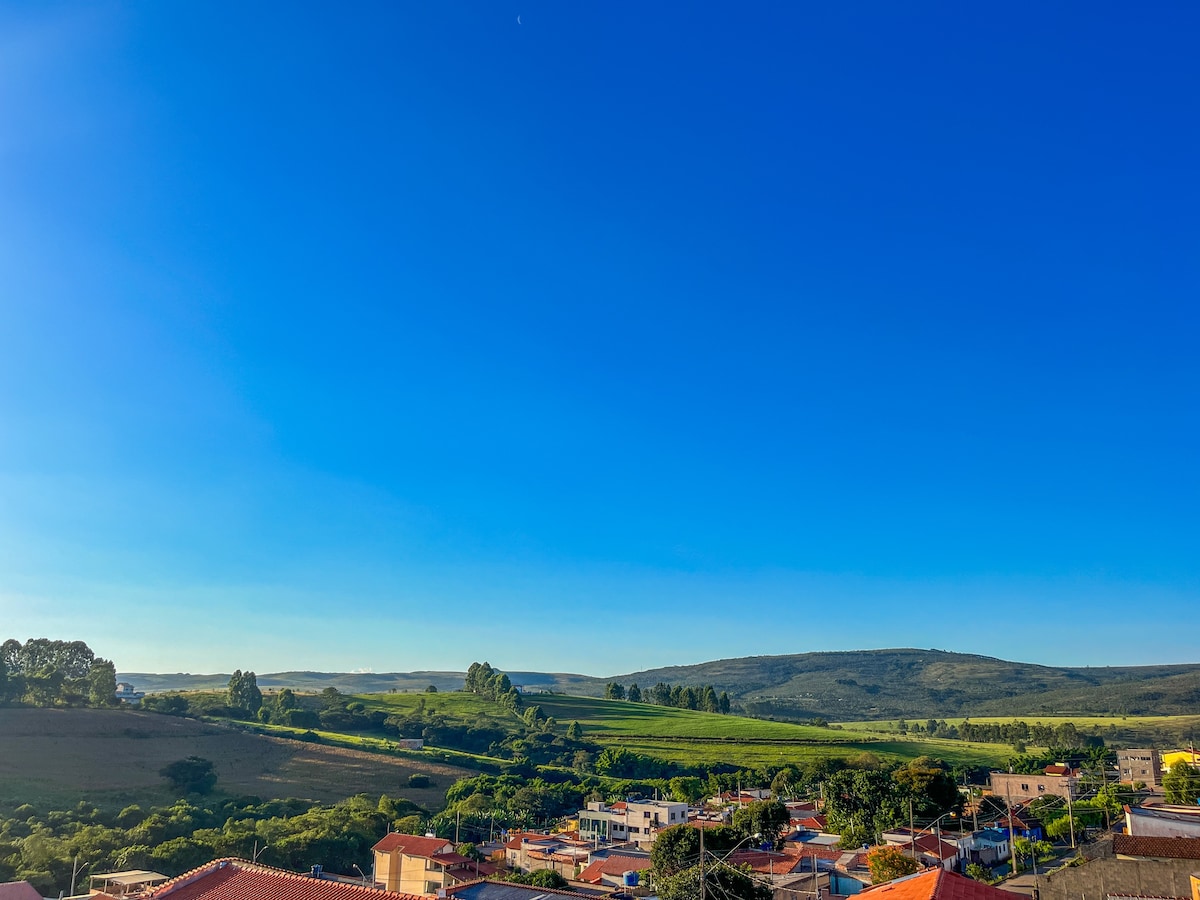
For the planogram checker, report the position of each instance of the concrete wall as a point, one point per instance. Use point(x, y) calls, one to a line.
point(1098, 878)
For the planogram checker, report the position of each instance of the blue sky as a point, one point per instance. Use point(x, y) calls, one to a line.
point(403, 336)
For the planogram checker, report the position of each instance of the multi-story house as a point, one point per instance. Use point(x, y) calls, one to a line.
point(632, 821)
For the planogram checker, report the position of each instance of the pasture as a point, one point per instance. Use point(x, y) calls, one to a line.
point(57, 757)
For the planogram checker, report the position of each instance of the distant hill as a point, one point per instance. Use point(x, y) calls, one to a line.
point(841, 686)
point(876, 684)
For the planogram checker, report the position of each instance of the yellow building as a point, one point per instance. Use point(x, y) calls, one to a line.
point(415, 865)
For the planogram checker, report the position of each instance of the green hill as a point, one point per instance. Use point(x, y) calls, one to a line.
point(874, 684)
point(841, 686)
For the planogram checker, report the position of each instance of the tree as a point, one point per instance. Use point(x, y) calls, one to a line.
point(723, 703)
point(634, 694)
point(193, 775)
point(101, 683)
point(720, 880)
point(979, 873)
point(860, 803)
point(686, 789)
point(243, 691)
point(930, 785)
point(888, 863)
point(575, 731)
point(614, 691)
point(1182, 784)
point(432, 689)
point(766, 817)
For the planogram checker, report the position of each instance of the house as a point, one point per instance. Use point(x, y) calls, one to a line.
point(986, 847)
point(1022, 825)
point(1162, 821)
point(565, 854)
point(237, 879)
point(636, 821)
point(1138, 866)
point(612, 871)
point(126, 693)
point(928, 849)
point(935, 883)
point(1140, 765)
point(18, 890)
point(421, 865)
point(1056, 781)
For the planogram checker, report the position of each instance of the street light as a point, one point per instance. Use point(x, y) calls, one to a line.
point(362, 873)
point(721, 860)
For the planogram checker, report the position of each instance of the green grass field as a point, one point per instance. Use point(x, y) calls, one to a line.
point(688, 736)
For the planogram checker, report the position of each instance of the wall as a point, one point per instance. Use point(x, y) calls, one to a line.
point(1100, 877)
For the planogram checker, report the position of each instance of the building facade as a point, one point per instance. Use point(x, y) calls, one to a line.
point(633, 821)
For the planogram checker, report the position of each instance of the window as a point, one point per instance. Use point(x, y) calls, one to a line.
point(1041, 789)
point(1025, 787)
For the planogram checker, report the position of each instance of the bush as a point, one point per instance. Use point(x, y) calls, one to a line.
point(193, 775)
point(417, 780)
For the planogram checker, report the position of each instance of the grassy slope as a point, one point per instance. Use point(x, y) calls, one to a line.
point(112, 757)
point(689, 736)
point(873, 684)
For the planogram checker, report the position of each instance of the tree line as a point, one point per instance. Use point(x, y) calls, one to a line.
point(40, 845)
point(1017, 732)
point(679, 696)
point(485, 681)
point(42, 672)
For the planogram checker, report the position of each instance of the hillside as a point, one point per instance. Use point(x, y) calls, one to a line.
point(841, 686)
point(872, 684)
point(112, 757)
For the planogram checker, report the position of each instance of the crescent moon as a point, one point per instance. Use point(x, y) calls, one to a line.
point(518, 20)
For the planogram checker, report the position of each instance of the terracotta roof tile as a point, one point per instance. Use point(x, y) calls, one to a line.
point(18, 890)
point(1159, 847)
point(615, 864)
point(235, 879)
point(412, 844)
point(936, 884)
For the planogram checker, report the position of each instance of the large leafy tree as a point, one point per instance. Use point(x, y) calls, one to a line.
point(720, 880)
point(243, 691)
point(930, 785)
point(193, 775)
point(764, 817)
point(52, 673)
point(887, 863)
point(1182, 784)
point(860, 803)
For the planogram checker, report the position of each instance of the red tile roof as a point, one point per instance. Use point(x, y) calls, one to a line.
point(467, 885)
point(613, 865)
point(1158, 847)
point(936, 884)
point(812, 823)
point(412, 845)
point(236, 879)
point(767, 863)
point(515, 840)
point(18, 890)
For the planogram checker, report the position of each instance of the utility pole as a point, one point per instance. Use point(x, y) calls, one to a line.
point(1012, 841)
point(912, 832)
point(1070, 812)
point(703, 890)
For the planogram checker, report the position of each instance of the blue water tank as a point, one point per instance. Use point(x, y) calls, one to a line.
point(629, 879)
